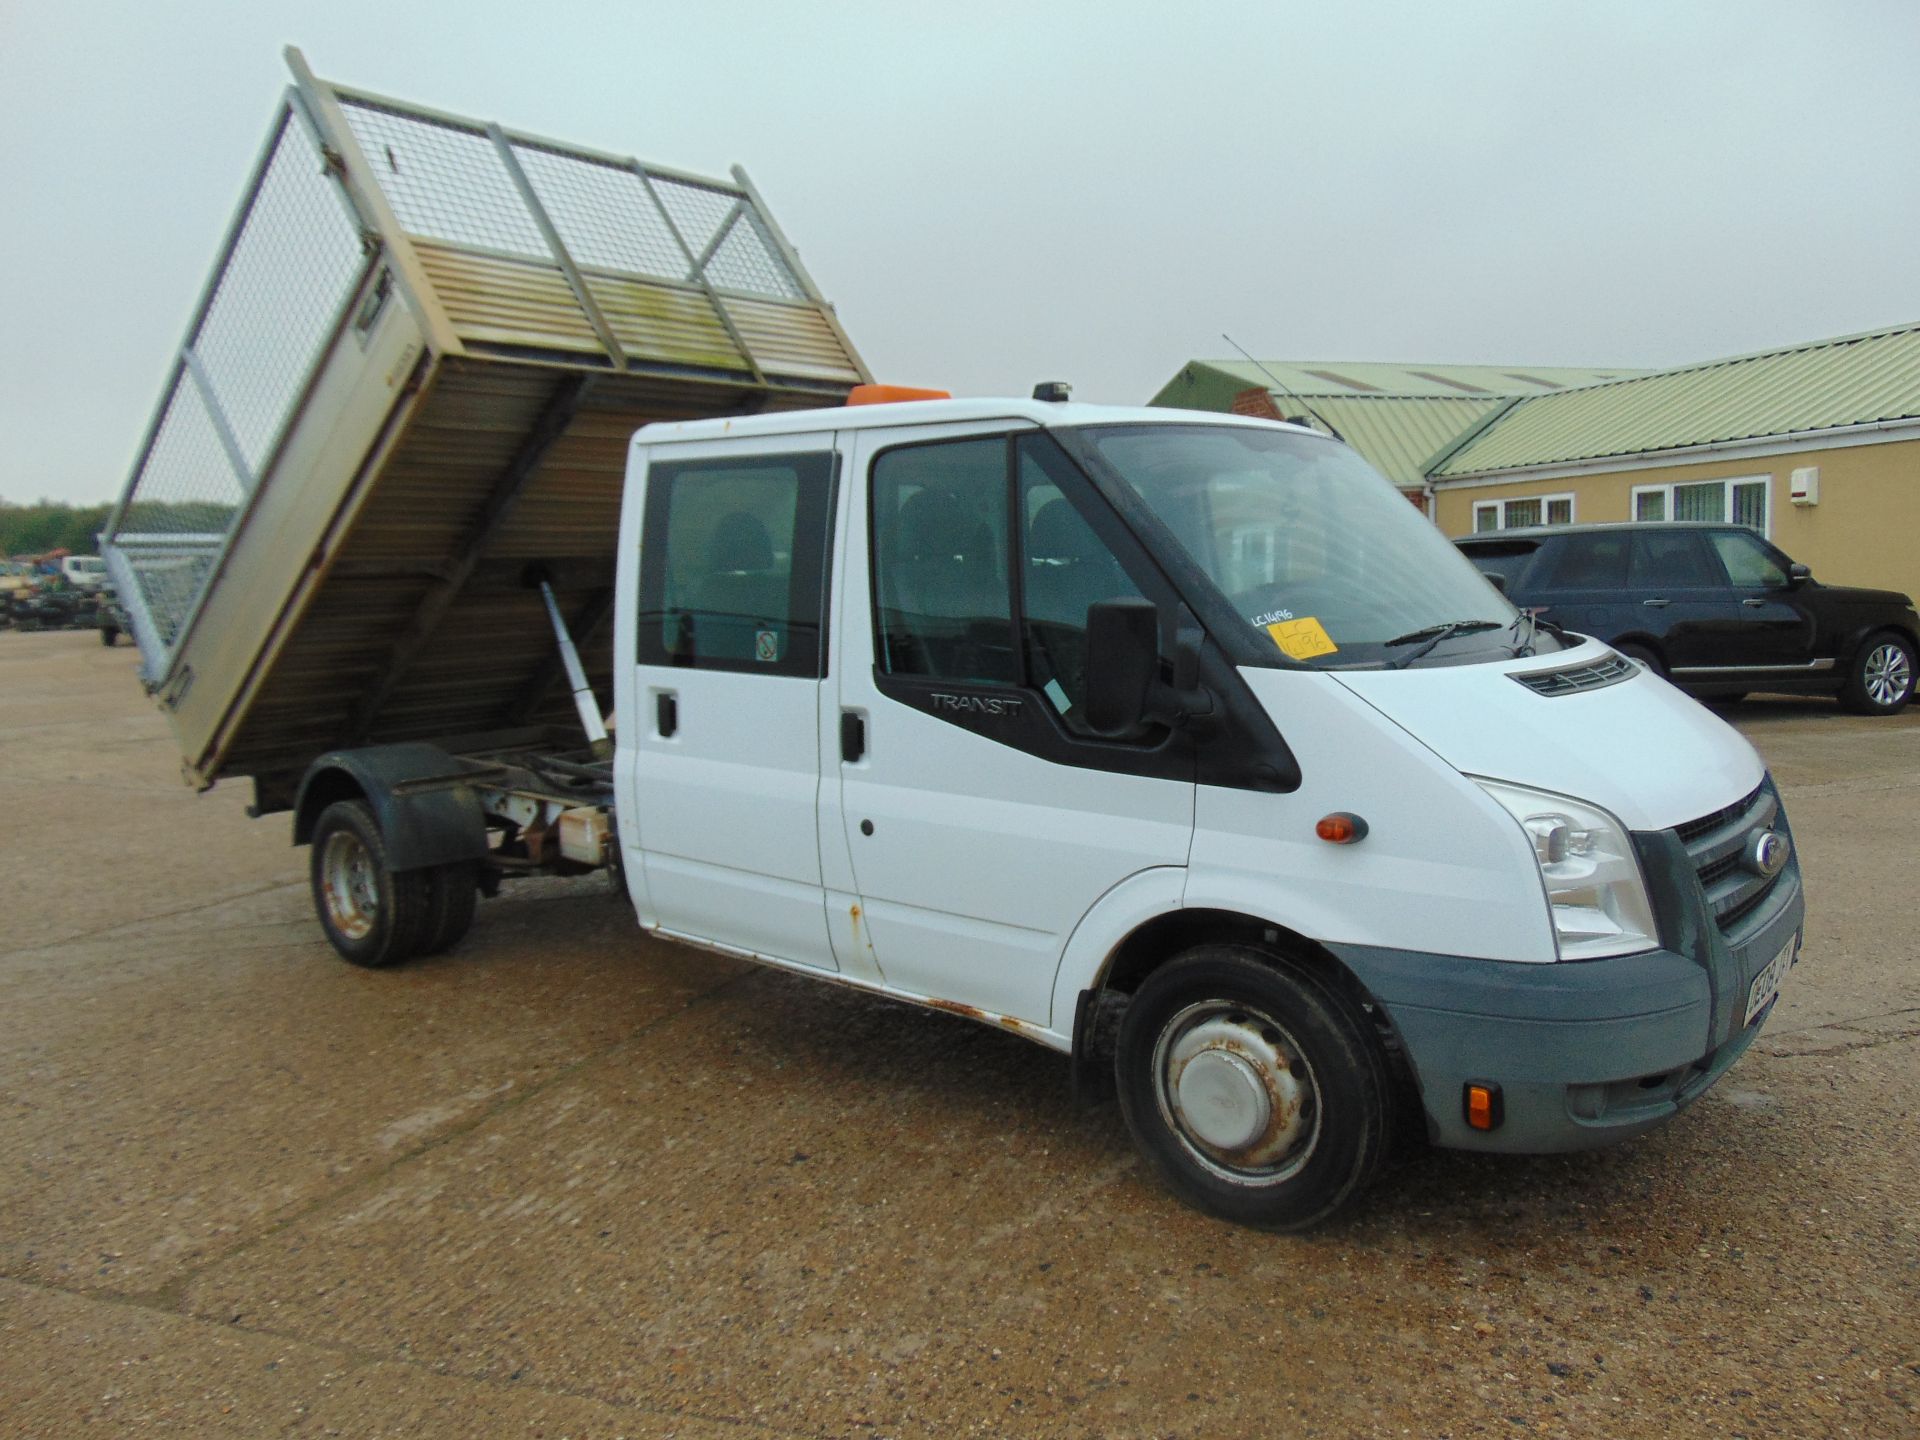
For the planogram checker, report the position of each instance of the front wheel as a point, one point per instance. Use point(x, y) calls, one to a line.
point(1257, 1091)
point(1880, 680)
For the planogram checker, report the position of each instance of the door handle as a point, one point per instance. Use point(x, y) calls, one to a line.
point(1753, 604)
point(1656, 604)
point(666, 713)
point(853, 736)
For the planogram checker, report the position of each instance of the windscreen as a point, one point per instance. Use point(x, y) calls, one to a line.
point(1310, 545)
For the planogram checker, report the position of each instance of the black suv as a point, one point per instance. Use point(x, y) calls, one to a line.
point(1715, 608)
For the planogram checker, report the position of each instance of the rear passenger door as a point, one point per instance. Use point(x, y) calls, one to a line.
point(1580, 582)
point(720, 766)
point(1683, 599)
point(981, 818)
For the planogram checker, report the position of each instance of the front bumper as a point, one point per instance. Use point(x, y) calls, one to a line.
point(1587, 1052)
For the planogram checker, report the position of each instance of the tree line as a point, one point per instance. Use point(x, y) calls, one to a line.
point(49, 525)
point(56, 525)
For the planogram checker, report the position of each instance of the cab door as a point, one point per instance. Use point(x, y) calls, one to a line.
point(719, 756)
point(982, 819)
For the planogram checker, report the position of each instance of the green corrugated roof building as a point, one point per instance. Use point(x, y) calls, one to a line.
point(1399, 416)
point(1821, 440)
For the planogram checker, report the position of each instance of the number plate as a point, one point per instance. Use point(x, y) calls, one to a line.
point(1767, 983)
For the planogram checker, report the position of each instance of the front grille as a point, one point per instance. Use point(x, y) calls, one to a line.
point(1707, 824)
point(1717, 846)
point(1575, 678)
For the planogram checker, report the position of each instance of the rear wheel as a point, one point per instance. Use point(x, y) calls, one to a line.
point(1256, 1090)
point(453, 893)
point(373, 915)
point(1880, 679)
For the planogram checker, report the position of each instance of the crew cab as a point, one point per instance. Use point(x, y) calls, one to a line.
point(1716, 609)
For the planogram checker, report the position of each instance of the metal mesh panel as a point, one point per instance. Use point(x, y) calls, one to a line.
point(279, 296)
point(178, 514)
point(444, 181)
point(604, 215)
point(747, 260)
point(277, 293)
point(698, 210)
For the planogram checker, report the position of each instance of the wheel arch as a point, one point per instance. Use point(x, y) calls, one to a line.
point(437, 824)
point(1152, 942)
point(1859, 635)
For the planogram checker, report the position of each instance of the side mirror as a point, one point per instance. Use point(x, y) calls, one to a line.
point(1495, 579)
point(1125, 694)
point(1123, 662)
point(1798, 574)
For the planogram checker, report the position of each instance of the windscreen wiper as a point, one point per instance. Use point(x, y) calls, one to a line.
point(1434, 634)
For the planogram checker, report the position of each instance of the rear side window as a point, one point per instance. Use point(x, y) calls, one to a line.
point(1586, 562)
point(1672, 559)
point(1505, 559)
point(733, 564)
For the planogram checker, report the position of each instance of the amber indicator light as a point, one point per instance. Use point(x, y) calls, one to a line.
point(892, 394)
point(1483, 1107)
point(1341, 828)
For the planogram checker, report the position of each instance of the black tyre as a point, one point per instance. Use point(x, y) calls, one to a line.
point(108, 634)
point(453, 893)
point(1257, 1091)
point(1645, 656)
point(372, 914)
point(1880, 677)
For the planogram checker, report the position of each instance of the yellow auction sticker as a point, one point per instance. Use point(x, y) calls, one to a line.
point(1302, 639)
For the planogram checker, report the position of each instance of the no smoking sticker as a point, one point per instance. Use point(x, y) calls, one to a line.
point(1302, 639)
point(766, 646)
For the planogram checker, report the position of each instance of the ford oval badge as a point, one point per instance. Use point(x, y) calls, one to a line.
point(1767, 853)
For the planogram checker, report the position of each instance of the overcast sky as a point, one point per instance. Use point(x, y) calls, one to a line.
point(994, 194)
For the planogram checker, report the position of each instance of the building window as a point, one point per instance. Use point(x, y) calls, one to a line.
point(1526, 510)
point(1744, 500)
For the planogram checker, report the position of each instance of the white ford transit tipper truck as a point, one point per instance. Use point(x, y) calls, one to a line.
point(1177, 743)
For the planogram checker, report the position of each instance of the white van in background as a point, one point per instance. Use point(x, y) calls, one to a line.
point(84, 572)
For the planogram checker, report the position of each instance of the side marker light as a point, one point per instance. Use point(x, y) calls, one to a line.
point(1341, 828)
point(1483, 1106)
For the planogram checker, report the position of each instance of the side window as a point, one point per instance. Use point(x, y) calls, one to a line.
point(1589, 562)
point(1066, 569)
point(942, 598)
point(1671, 559)
point(733, 564)
point(1503, 558)
point(1750, 565)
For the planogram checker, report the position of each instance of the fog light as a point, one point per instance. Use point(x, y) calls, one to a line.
point(1483, 1106)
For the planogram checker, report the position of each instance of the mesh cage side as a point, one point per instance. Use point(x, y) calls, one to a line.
point(748, 260)
point(279, 291)
point(177, 519)
point(444, 182)
point(279, 296)
point(603, 214)
point(697, 210)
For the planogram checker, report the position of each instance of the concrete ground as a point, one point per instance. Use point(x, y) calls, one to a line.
point(569, 1182)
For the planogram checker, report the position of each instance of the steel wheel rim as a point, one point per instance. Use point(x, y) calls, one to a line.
point(1889, 674)
point(349, 885)
point(1251, 1112)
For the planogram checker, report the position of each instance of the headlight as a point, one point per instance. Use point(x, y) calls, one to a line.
point(1594, 889)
